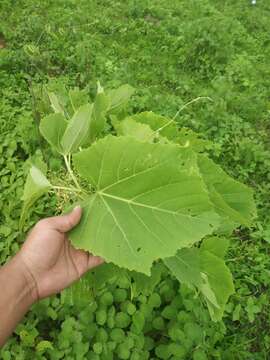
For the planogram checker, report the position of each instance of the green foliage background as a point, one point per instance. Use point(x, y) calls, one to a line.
point(171, 52)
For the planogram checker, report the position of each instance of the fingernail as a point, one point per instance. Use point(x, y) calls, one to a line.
point(77, 207)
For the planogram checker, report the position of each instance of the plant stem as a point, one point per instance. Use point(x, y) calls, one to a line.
point(182, 108)
point(67, 162)
point(67, 188)
point(191, 102)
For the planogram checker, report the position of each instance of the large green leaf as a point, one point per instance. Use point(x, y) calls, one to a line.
point(233, 200)
point(149, 202)
point(207, 272)
point(52, 128)
point(77, 130)
point(36, 185)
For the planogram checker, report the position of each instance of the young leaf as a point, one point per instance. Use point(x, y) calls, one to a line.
point(119, 97)
point(98, 118)
point(36, 185)
point(149, 202)
point(52, 128)
point(231, 199)
point(209, 273)
point(77, 129)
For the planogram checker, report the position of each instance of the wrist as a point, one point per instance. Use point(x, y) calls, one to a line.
point(30, 289)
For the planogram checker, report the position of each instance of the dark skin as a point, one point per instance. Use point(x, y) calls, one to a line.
point(46, 264)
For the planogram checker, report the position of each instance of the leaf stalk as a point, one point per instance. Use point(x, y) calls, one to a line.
point(73, 177)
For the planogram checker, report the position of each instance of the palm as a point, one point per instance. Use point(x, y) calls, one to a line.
point(53, 262)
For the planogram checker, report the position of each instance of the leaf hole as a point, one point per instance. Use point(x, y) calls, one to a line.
point(139, 249)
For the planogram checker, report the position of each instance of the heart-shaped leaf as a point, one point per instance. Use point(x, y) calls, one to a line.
point(149, 201)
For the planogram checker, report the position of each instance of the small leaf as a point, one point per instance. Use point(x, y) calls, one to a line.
point(98, 119)
point(52, 128)
point(36, 185)
point(77, 129)
point(237, 312)
point(100, 89)
point(44, 345)
point(119, 97)
point(149, 202)
point(252, 309)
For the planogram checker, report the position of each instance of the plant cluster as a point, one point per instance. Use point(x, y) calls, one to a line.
point(148, 192)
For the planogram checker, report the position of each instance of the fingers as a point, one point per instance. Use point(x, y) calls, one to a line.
point(83, 260)
point(66, 222)
point(94, 261)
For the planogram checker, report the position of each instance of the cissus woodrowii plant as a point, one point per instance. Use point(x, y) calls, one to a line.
point(148, 190)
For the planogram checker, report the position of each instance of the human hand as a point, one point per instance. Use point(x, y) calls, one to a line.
point(50, 260)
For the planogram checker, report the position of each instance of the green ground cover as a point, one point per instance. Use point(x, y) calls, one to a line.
point(171, 52)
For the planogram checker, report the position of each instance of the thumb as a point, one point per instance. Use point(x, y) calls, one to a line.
point(66, 222)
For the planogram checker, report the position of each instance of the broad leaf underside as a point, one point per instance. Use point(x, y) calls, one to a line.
point(149, 202)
